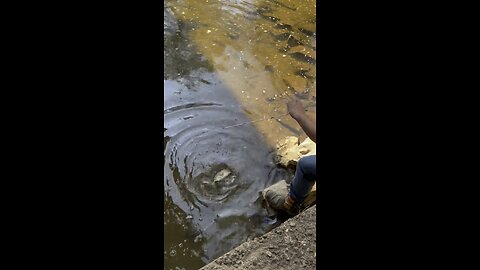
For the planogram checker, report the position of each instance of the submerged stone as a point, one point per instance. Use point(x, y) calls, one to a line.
point(296, 82)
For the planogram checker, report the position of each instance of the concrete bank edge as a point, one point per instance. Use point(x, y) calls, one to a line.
point(292, 245)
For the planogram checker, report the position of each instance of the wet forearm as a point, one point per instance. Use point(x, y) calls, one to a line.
point(308, 125)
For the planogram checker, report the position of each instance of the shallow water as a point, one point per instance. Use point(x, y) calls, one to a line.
point(227, 63)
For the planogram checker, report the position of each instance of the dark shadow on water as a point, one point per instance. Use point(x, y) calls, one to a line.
point(197, 148)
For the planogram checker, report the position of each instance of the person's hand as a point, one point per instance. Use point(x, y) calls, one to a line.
point(295, 108)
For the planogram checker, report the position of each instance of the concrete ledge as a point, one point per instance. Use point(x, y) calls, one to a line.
point(292, 245)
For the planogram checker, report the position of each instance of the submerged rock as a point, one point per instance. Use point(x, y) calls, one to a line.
point(298, 83)
point(304, 50)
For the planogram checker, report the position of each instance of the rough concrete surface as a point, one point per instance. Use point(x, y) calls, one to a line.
point(292, 245)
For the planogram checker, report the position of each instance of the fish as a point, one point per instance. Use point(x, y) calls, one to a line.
point(221, 175)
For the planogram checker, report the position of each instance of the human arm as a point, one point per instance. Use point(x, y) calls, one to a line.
point(297, 112)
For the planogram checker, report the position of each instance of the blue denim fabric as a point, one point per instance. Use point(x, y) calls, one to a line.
point(304, 179)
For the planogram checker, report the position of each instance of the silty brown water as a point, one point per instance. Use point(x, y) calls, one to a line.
point(227, 62)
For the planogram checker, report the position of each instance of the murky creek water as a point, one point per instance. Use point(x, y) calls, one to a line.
point(227, 63)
